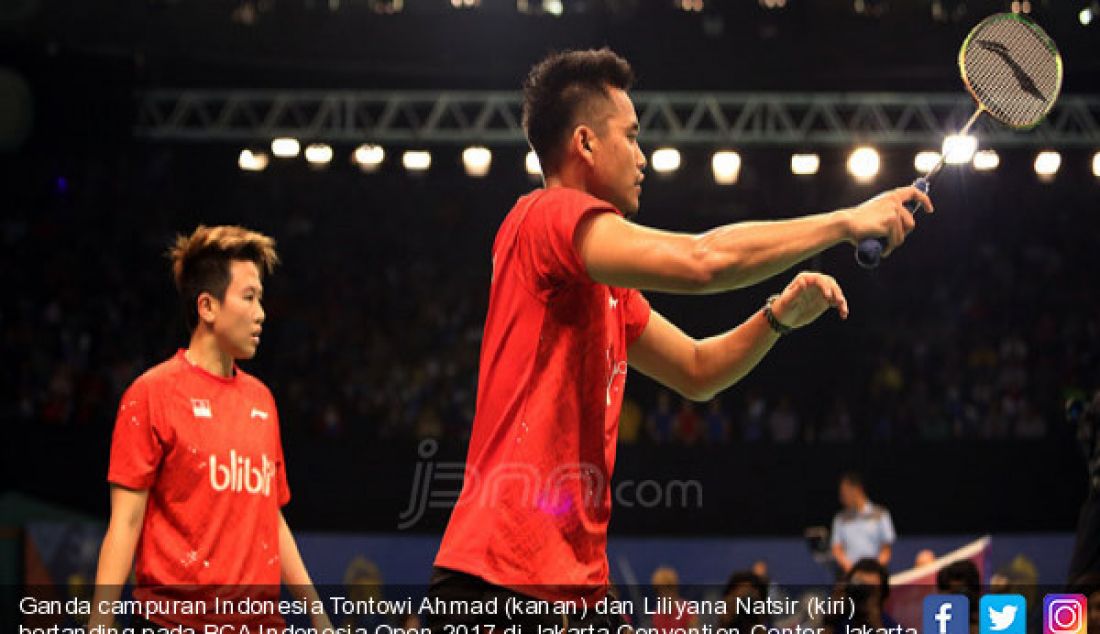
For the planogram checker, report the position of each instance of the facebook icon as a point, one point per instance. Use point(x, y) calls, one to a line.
point(946, 614)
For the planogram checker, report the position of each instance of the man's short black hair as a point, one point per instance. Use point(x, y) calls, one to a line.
point(749, 578)
point(960, 577)
point(853, 478)
point(869, 564)
point(558, 89)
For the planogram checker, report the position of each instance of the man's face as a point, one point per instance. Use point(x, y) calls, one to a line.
point(240, 317)
point(617, 160)
point(849, 497)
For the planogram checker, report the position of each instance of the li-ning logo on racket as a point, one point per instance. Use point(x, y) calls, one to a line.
point(1027, 84)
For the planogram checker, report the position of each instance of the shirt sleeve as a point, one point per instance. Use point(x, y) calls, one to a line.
point(834, 535)
point(137, 445)
point(886, 526)
point(637, 315)
point(548, 230)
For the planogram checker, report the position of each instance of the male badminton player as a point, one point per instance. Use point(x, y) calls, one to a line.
point(566, 318)
point(196, 470)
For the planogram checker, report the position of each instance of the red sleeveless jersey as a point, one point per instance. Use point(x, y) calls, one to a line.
point(536, 500)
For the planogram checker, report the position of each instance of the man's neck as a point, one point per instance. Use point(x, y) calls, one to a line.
point(205, 353)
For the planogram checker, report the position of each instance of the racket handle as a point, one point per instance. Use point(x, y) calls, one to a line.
point(869, 251)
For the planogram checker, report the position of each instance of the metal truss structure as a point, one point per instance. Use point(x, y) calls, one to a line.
point(428, 118)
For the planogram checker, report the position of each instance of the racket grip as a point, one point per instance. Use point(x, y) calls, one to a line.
point(869, 251)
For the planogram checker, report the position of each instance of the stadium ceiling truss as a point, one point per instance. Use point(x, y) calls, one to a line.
point(428, 118)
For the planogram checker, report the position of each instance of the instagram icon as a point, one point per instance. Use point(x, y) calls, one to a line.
point(1064, 614)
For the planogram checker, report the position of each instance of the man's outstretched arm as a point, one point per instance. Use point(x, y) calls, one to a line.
point(699, 369)
point(620, 253)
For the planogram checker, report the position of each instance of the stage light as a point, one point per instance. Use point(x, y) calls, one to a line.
point(863, 164)
point(553, 7)
point(986, 160)
point(319, 154)
point(416, 160)
point(476, 160)
point(1088, 13)
point(805, 164)
point(925, 161)
point(726, 166)
point(250, 161)
point(532, 164)
point(665, 160)
point(1047, 164)
point(465, 4)
point(773, 4)
point(959, 148)
point(1096, 165)
point(369, 157)
point(285, 147)
point(691, 6)
point(1023, 6)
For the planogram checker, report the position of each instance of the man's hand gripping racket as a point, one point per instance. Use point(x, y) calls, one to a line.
point(1013, 71)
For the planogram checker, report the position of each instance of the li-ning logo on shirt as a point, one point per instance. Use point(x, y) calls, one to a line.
point(258, 413)
point(200, 407)
point(241, 476)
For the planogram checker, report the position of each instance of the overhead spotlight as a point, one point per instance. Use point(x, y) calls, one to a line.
point(1088, 13)
point(319, 154)
point(1047, 164)
point(250, 161)
point(805, 164)
point(285, 147)
point(924, 161)
point(691, 6)
point(959, 148)
point(665, 160)
point(863, 164)
point(465, 4)
point(476, 160)
point(416, 160)
point(553, 7)
point(369, 157)
point(1096, 165)
point(1021, 6)
point(986, 161)
point(531, 163)
point(726, 166)
point(773, 4)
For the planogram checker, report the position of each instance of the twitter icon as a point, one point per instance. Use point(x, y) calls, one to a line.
point(1003, 614)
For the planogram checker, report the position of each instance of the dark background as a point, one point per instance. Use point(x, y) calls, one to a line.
point(375, 316)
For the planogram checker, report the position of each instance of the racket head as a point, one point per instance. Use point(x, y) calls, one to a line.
point(1012, 69)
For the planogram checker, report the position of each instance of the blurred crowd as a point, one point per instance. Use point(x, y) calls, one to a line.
point(375, 317)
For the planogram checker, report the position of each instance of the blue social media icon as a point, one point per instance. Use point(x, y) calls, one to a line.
point(1003, 614)
point(946, 614)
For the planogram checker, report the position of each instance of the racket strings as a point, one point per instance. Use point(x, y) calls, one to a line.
point(1013, 71)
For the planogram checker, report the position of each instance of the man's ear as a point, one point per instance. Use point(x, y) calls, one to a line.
point(207, 306)
point(583, 137)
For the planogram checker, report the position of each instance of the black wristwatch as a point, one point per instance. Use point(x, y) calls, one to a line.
point(773, 321)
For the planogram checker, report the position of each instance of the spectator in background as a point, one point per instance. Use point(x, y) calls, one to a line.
point(666, 585)
point(962, 577)
point(784, 423)
point(630, 421)
point(661, 420)
point(687, 425)
point(716, 423)
point(924, 557)
point(867, 586)
point(743, 584)
point(862, 529)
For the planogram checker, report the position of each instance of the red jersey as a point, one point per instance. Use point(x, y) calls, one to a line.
point(536, 500)
point(208, 450)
